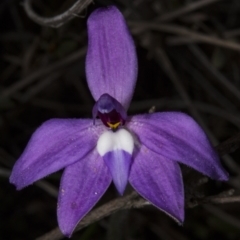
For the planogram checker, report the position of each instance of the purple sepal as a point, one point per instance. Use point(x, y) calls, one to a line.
point(111, 63)
point(119, 163)
point(109, 110)
point(178, 137)
point(82, 185)
point(158, 180)
point(53, 146)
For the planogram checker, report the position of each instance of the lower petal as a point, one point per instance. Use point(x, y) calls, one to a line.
point(82, 185)
point(119, 163)
point(116, 148)
point(178, 137)
point(159, 180)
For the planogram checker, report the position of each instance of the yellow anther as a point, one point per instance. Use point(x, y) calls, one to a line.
point(114, 126)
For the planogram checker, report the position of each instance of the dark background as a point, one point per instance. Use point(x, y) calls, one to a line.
point(41, 78)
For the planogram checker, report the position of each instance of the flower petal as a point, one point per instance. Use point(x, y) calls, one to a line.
point(178, 137)
point(158, 180)
point(111, 64)
point(82, 185)
point(119, 163)
point(54, 145)
point(116, 148)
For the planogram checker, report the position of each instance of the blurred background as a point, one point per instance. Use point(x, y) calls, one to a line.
point(189, 58)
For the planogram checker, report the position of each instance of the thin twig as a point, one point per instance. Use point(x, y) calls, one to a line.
point(34, 90)
point(175, 41)
point(184, 10)
point(222, 200)
point(226, 83)
point(233, 221)
point(230, 145)
point(175, 29)
point(130, 201)
point(28, 55)
point(206, 85)
point(42, 72)
point(58, 20)
point(212, 91)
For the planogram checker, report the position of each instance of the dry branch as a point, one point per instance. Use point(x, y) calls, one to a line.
point(58, 20)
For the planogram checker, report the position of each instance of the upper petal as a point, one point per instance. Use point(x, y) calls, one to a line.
point(178, 137)
point(111, 64)
point(82, 185)
point(54, 145)
point(158, 180)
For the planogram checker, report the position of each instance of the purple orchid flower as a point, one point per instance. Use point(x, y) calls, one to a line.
point(143, 149)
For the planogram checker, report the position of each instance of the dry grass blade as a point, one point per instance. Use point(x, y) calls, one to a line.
point(219, 77)
point(184, 10)
point(42, 72)
point(174, 29)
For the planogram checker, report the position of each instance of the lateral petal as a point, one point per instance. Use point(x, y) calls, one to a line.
point(82, 185)
point(111, 62)
point(178, 137)
point(56, 144)
point(158, 180)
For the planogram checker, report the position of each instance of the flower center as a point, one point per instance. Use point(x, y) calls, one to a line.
point(112, 119)
point(110, 111)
